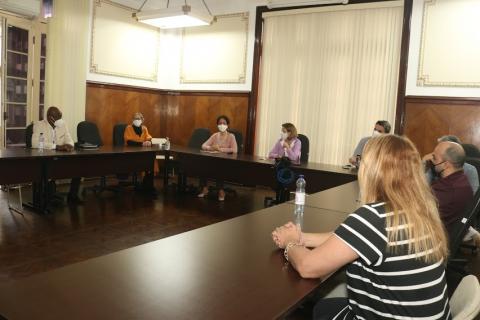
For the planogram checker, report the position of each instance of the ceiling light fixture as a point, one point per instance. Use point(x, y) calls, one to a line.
point(179, 17)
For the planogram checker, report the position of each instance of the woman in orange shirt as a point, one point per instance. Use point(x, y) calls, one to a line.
point(137, 134)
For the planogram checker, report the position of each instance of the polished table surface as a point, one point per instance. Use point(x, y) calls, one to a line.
point(253, 170)
point(228, 270)
point(344, 198)
point(22, 165)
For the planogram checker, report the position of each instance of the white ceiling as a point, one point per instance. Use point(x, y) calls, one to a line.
point(214, 5)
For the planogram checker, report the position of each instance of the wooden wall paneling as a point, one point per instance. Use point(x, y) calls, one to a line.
point(428, 118)
point(167, 114)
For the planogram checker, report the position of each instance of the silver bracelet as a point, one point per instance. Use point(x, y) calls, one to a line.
point(289, 246)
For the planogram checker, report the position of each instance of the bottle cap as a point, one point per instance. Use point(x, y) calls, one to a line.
point(301, 176)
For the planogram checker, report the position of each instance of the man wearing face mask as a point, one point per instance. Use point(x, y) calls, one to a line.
point(452, 189)
point(137, 134)
point(56, 137)
point(381, 127)
point(54, 131)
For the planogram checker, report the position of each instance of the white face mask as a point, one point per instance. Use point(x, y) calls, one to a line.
point(376, 133)
point(137, 122)
point(222, 127)
point(59, 123)
point(283, 135)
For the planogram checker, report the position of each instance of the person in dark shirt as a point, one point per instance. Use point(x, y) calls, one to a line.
point(452, 189)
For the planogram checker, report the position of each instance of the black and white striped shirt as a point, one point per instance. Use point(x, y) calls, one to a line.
point(385, 285)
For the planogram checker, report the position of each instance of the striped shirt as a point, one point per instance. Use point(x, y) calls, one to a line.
point(386, 285)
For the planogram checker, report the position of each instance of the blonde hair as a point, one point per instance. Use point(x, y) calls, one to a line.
point(392, 171)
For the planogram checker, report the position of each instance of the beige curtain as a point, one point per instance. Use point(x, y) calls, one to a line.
point(331, 73)
point(66, 67)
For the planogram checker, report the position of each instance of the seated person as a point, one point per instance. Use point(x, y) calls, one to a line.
point(221, 141)
point(452, 189)
point(56, 136)
point(288, 145)
point(381, 127)
point(137, 134)
point(394, 246)
point(469, 170)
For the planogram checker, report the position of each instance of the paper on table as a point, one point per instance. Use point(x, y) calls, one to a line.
point(210, 151)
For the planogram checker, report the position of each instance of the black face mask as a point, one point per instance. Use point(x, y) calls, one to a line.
point(435, 172)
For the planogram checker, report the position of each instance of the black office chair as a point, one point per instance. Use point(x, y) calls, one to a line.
point(305, 147)
point(198, 137)
point(118, 132)
point(239, 139)
point(471, 150)
point(87, 132)
point(118, 141)
point(28, 135)
point(455, 266)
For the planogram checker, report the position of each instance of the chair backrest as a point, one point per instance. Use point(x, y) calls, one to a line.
point(199, 136)
point(305, 147)
point(239, 138)
point(465, 301)
point(28, 135)
point(118, 132)
point(474, 162)
point(471, 150)
point(459, 228)
point(87, 132)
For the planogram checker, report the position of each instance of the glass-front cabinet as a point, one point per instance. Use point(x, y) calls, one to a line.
point(17, 95)
point(23, 48)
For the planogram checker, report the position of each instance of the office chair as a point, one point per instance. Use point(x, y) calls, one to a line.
point(455, 266)
point(465, 301)
point(198, 137)
point(305, 150)
point(87, 132)
point(118, 141)
point(471, 150)
point(239, 139)
point(18, 187)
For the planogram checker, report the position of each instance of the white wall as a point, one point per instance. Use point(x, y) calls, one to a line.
point(170, 52)
point(413, 62)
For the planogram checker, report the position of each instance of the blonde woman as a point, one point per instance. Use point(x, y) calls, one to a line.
point(394, 246)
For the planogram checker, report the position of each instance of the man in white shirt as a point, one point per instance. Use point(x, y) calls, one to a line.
point(56, 137)
point(54, 131)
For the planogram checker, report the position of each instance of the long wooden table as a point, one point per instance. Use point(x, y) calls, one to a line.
point(344, 198)
point(228, 270)
point(253, 170)
point(20, 165)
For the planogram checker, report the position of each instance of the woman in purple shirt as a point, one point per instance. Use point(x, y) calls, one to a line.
point(288, 145)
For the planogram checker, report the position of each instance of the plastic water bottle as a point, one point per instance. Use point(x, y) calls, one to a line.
point(167, 144)
point(41, 142)
point(299, 202)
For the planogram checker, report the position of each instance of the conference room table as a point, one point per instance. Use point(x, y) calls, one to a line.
point(23, 165)
point(250, 170)
point(228, 270)
point(344, 198)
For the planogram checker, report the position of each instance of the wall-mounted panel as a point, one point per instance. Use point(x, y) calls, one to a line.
point(429, 118)
point(167, 114)
point(121, 46)
point(450, 44)
point(216, 53)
